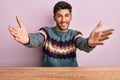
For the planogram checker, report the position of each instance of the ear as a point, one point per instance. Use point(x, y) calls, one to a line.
point(71, 17)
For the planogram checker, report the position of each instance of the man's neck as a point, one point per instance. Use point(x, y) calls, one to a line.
point(60, 30)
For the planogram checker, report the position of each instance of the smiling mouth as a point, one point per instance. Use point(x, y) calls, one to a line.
point(64, 24)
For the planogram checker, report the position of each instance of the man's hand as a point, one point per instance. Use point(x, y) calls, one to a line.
point(19, 34)
point(97, 37)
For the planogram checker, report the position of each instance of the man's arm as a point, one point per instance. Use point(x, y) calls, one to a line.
point(35, 40)
point(82, 44)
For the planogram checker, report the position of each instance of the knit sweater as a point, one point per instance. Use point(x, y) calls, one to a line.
point(59, 48)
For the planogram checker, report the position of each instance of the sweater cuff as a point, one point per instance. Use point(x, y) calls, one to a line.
point(90, 46)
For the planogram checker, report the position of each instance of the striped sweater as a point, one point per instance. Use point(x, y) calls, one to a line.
point(59, 48)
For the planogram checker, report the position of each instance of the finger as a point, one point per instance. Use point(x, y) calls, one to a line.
point(19, 22)
point(13, 31)
point(108, 30)
point(14, 34)
point(99, 25)
point(12, 28)
point(106, 34)
point(103, 38)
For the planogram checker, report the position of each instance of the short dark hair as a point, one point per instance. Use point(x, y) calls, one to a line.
point(62, 5)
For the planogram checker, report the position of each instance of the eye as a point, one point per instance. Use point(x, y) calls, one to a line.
point(58, 16)
point(67, 15)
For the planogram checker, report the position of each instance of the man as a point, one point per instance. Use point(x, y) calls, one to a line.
point(59, 43)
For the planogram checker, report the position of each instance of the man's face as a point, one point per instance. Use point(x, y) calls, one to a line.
point(62, 18)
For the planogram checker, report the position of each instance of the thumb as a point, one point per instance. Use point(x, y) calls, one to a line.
point(99, 25)
point(21, 25)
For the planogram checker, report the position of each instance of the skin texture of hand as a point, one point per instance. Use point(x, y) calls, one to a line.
point(98, 37)
point(19, 34)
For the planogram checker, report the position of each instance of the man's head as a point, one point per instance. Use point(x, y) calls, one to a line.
point(62, 5)
point(62, 15)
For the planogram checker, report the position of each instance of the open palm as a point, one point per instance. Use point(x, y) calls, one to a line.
point(98, 37)
point(20, 34)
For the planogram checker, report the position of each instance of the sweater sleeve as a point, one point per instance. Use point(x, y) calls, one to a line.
point(36, 39)
point(82, 44)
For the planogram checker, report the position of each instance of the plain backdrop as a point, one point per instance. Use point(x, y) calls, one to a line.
point(39, 13)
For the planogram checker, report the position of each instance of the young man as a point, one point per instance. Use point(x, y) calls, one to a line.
point(59, 43)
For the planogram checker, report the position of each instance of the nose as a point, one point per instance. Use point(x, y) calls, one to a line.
point(63, 19)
